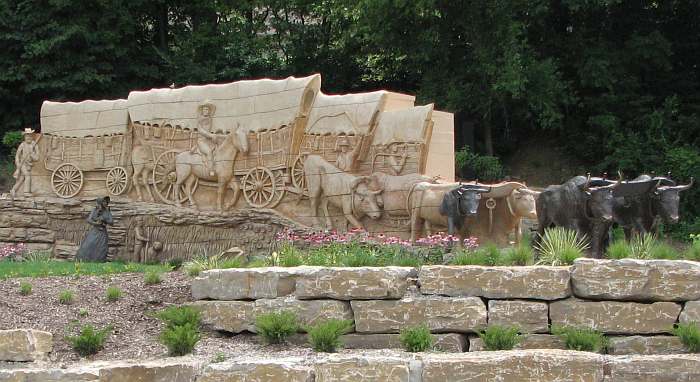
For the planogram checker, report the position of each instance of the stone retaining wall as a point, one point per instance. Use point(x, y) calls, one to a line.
point(636, 302)
point(505, 366)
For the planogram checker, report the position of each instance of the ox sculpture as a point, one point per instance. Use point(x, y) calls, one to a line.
point(447, 205)
point(395, 189)
point(578, 206)
point(328, 184)
point(501, 211)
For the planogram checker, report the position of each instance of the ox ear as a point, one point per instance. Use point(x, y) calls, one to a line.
point(380, 200)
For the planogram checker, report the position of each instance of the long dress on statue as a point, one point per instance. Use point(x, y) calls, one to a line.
point(95, 244)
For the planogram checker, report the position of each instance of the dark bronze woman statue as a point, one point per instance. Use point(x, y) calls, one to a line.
point(95, 244)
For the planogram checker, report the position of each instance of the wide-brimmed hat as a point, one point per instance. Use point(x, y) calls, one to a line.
point(342, 141)
point(206, 103)
point(28, 131)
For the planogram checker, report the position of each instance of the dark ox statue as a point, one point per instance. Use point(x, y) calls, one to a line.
point(460, 203)
point(642, 212)
point(578, 206)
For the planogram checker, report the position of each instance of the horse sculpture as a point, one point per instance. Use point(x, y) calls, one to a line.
point(189, 167)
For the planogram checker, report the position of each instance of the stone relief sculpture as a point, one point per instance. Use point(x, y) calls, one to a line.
point(27, 154)
point(95, 245)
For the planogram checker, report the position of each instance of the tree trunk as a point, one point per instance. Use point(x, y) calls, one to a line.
point(488, 137)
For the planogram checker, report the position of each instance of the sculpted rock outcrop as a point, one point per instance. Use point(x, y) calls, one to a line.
point(615, 317)
point(354, 283)
point(640, 280)
point(441, 314)
point(536, 282)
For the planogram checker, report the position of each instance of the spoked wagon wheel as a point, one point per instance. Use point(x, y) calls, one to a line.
point(164, 179)
point(259, 187)
point(117, 180)
point(280, 188)
point(67, 180)
point(298, 179)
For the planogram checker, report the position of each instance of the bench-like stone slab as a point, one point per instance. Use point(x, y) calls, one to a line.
point(534, 282)
point(363, 283)
point(654, 368)
point(645, 345)
point(284, 369)
point(512, 366)
point(528, 341)
point(440, 314)
point(362, 368)
point(691, 312)
point(168, 370)
point(529, 316)
point(239, 316)
point(246, 283)
point(615, 317)
point(636, 280)
point(24, 345)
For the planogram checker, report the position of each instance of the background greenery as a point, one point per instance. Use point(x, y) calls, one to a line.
point(612, 84)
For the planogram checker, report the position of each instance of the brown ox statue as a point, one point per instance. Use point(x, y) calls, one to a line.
point(510, 202)
point(328, 184)
point(395, 190)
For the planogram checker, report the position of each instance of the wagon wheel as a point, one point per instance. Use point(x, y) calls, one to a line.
point(117, 180)
point(298, 179)
point(259, 187)
point(67, 180)
point(164, 178)
point(280, 188)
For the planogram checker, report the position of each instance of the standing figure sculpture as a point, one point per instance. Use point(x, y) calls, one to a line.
point(95, 244)
point(207, 140)
point(27, 154)
point(346, 158)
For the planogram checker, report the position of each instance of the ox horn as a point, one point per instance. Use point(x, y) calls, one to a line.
point(528, 191)
point(687, 186)
point(356, 182)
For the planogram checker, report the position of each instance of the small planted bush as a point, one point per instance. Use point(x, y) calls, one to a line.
point(360, 257)
point(275, 328)
point(498, 337)
point(521, 254)
point(113, 294)
point(89, 341)
point(152, 278)
point(180, 315)
point(180, 340)
point(664, 251)
point(689, 334)
point(618, 250)
point(416, 339)
point(561, 246)
point(641, 246)
point(66, 297)
point(693, 251)
point(582, 339)
point(25, 288)
point(325, 336)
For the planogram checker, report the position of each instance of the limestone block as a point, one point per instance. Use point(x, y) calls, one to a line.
point(285, 369)
point(527, 341)
point(645, 345)
point(23, 235)
point(359, 368)
point(529, 316)
point(354, 283)
point(49, 375)
point(441, 314)
point(615, 317)
point(449, 343)
point(514, 366)
point(245, 283)
point(654, 368)
point(536, 282)
point(22, 219)
point(638, 280)
point(691, 312)
point(167, 370)
point(239, 316)
point(22, 345)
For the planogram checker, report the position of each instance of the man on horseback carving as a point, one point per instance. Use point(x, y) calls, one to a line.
point(206, 138)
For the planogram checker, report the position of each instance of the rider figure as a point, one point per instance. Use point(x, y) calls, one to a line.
point(206, 138)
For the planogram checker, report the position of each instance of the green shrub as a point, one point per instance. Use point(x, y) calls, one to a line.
point(489, 255)
point(275, 328)
point(180, 315)
point(664, 251)
point(152, 278)
point(12, 139)
point(360, 257)
point(521, 254)
point(113, 294)
point(693, 251)
point(689, 334)
point(66, 297)
point(83, 312)
point(25, 288)
point(498, 337)
point(619, 249)
point(641, 246)
point(485, 167)
point(288, 256)
point(90, 340)
point(219, 357)
point(180, 339)
point(560, 246)
point(176, 263)
point(582, 339)
point(325, 336)
point(416, 339)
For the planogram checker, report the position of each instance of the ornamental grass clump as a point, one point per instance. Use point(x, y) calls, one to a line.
point(521, 254)
point(275, 328)
point(152, 278)
point(181, 332)
point(560, 246)
point(581, 339)
point(25, 288)
point(642, 246)
point(689, 334)
point(619, 249)
point(325, 336)
point(416, 339)
point(113, 294)
point(498, 337)
point(66, 297)
point(90, 340)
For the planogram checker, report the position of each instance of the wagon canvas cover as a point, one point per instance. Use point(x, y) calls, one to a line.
point(86, 118)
